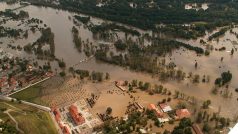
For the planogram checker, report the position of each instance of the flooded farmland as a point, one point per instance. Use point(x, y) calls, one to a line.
point(60, 23)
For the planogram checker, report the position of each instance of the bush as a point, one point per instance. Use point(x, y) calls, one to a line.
point(62, 74)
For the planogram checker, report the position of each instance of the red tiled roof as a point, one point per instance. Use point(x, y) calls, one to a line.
point(13, 81)
point(3, 81)
point(183, 113)
point(77, 117)
point(153, 107)
point(57, 115)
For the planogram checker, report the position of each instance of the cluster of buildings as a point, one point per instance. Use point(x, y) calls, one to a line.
point(165, 113)
point(76, 118)
point(13, 78)
point(8, 85)
point(165, 108)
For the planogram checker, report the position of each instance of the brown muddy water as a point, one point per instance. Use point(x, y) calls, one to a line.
point(61, 25)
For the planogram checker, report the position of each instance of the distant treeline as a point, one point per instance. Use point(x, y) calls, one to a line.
point(112, 26)
point(191, 31)
point(8, 13)
point(147, 15)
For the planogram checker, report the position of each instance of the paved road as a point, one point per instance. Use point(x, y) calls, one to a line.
point(44, 108)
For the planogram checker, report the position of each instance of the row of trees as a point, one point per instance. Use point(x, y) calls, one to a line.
point(8, 13)
point(218, 34)
point(145, 59)
point(95, 76)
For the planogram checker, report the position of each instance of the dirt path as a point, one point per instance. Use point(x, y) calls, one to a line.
point(13, 119)
point(19, 110)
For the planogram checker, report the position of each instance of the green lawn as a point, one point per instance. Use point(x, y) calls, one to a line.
point(30, 119)
point(31, 94)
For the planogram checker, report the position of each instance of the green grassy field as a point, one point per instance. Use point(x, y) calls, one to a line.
point(30, 119)
point(31, 94)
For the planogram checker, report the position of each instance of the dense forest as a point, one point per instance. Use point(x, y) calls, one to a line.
point(163, 11)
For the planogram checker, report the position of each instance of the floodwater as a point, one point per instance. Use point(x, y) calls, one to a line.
point(61, 26)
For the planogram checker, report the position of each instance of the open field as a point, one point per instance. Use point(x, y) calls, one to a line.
point(54, 92)
point(30, 94)
point(30, 120)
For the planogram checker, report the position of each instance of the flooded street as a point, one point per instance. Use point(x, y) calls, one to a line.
point(211, 65)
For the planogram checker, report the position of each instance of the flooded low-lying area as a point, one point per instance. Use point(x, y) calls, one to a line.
point(61, 24)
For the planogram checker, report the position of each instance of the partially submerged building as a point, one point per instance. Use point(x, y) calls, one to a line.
point(155, 109)
point(165, 107)
point(182, 113)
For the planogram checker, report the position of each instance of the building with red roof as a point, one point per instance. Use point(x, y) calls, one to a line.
point(155, 109)
point(3, 82)
point(57, 115)
point(77, 117)
point(13, 83)
point(152, 107)
point(182, 113)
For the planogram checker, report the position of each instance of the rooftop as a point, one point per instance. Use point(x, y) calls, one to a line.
point(77, 117)
point(165, 107)
point(183, 113)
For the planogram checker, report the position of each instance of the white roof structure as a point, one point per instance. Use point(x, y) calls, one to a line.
point(234, 130)
point(165, 107)
point(143, 131)
point(162, 120)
